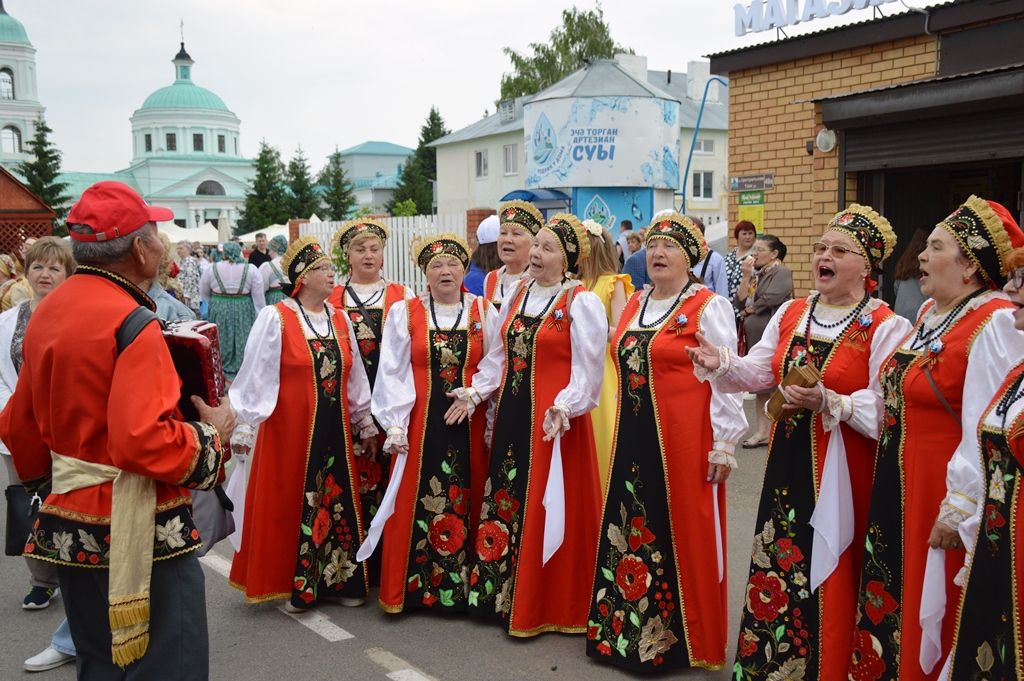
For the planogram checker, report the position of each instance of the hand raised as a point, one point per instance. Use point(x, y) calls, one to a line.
point(705, 355)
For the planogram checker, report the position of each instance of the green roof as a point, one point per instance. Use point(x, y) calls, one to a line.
point(184, 94)
point(79, 182)
point(12, 30)
point(374, 148)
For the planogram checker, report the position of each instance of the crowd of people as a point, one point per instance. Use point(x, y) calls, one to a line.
point(541, 438)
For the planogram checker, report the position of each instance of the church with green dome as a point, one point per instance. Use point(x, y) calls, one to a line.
point(19, 99)
point(186, 151)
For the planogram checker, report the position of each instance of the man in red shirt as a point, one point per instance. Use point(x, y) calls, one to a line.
point(105, 428)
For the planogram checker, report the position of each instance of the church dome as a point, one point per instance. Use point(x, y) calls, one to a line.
point(11, 30)
point(184, 95)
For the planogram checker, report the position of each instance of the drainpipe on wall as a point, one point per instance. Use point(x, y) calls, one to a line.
point(696, 129)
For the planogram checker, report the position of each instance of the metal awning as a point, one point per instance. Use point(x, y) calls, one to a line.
point(951, 95)
point(537, 195)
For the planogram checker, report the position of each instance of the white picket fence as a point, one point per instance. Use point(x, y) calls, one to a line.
point(398, 264)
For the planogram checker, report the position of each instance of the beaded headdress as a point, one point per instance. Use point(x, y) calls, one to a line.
point(869, 230)
point(682, 230)
point(303, 255)
point(572, 237)
point(522, 213)
point(427, 248)
point(987, 233)
point(353, 228)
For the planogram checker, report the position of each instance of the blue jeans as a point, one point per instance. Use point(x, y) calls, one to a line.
point(61, 641)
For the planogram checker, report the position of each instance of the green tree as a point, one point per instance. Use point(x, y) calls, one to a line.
point(421, 167)
point(582, 37)
point(41, 175)
point(403, 208)
point(302, 197)
point(266, 199)
point(338, 197)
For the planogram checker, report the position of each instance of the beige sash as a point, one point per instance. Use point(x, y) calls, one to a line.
point(132, 529)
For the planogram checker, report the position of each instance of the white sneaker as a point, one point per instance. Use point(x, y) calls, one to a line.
point(50, 658)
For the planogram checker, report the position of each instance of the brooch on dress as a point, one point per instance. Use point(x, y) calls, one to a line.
point(556, 320)
point(863, 326)
point(678, 323)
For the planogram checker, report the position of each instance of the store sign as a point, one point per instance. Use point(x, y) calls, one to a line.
point(602, 142)
point(765, 15)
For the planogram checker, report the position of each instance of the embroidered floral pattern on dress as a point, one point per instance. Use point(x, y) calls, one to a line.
point(520, 336)
point(439, 572)
point(206, 471)
point(633, 350)
point(774, 639)
point(449, 349)
point(497, 541)
point(635, 604)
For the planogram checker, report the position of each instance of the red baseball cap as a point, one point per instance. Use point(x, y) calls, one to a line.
point(112, 210)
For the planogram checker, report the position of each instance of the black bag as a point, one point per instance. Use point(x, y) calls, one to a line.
point(211, 509)
point(22, 509)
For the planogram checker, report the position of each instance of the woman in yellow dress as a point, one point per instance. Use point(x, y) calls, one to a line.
point(600, 274)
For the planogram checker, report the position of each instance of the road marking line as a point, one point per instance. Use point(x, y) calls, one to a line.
point(314, 621)
point(217, 563)
point(398, 669)
point(320, 624)
point(407, 675)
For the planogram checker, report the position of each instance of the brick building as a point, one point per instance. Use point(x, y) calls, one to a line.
point(909, 113)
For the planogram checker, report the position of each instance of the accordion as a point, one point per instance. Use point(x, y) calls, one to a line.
point(195, 349)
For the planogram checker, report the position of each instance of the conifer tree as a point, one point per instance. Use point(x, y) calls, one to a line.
point(421, 167)
point(41, 173)
point(266, 199)
point(338, 197)
point(303, 200)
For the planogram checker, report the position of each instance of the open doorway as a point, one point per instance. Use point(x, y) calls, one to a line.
point(913, 198)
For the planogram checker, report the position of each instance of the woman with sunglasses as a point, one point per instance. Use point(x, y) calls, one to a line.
point(304, 388)
point(935, 387)
point(991, 609)
point(801, 592)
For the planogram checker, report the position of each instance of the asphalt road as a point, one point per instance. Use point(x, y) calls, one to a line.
point(262, 643)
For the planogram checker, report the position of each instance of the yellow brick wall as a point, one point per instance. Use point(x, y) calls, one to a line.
point(771, 118)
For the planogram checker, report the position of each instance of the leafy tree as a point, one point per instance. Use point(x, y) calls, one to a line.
point(582, 37)
point(303, 200)
point(338, 196)
point(403, 208)
point(41, 174)
point(421, 167)
point(266, 199)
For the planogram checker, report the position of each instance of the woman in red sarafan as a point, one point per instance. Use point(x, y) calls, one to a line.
point(432, 346)
point(365, 296)
point(986, 643)
point(928, 494)
point(801, 595)
point(302, 386)
point(546, 364)
point(659, 592)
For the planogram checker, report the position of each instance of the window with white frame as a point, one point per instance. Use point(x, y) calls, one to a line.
point(511, 159)
point(6, 84)
point(704, 146)
point(480, 159)
point(703, 184)
point(171, 141)
point(10, 140)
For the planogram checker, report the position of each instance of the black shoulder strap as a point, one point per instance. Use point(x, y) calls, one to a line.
point(704, 269)
point(133, 325)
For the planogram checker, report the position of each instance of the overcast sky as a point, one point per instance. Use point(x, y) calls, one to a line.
point(325, 73)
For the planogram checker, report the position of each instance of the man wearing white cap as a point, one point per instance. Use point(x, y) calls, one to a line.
point(485, 256)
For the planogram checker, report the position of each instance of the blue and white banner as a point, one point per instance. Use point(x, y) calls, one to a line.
point(602, 142)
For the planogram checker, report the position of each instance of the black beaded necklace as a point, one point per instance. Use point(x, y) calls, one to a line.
point(526, 299)
point(662, 318)
point(330, 327)
point(845, 321)
point(1008, 399)
point(355, 298)
point(458, 317)
point(923, 338)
